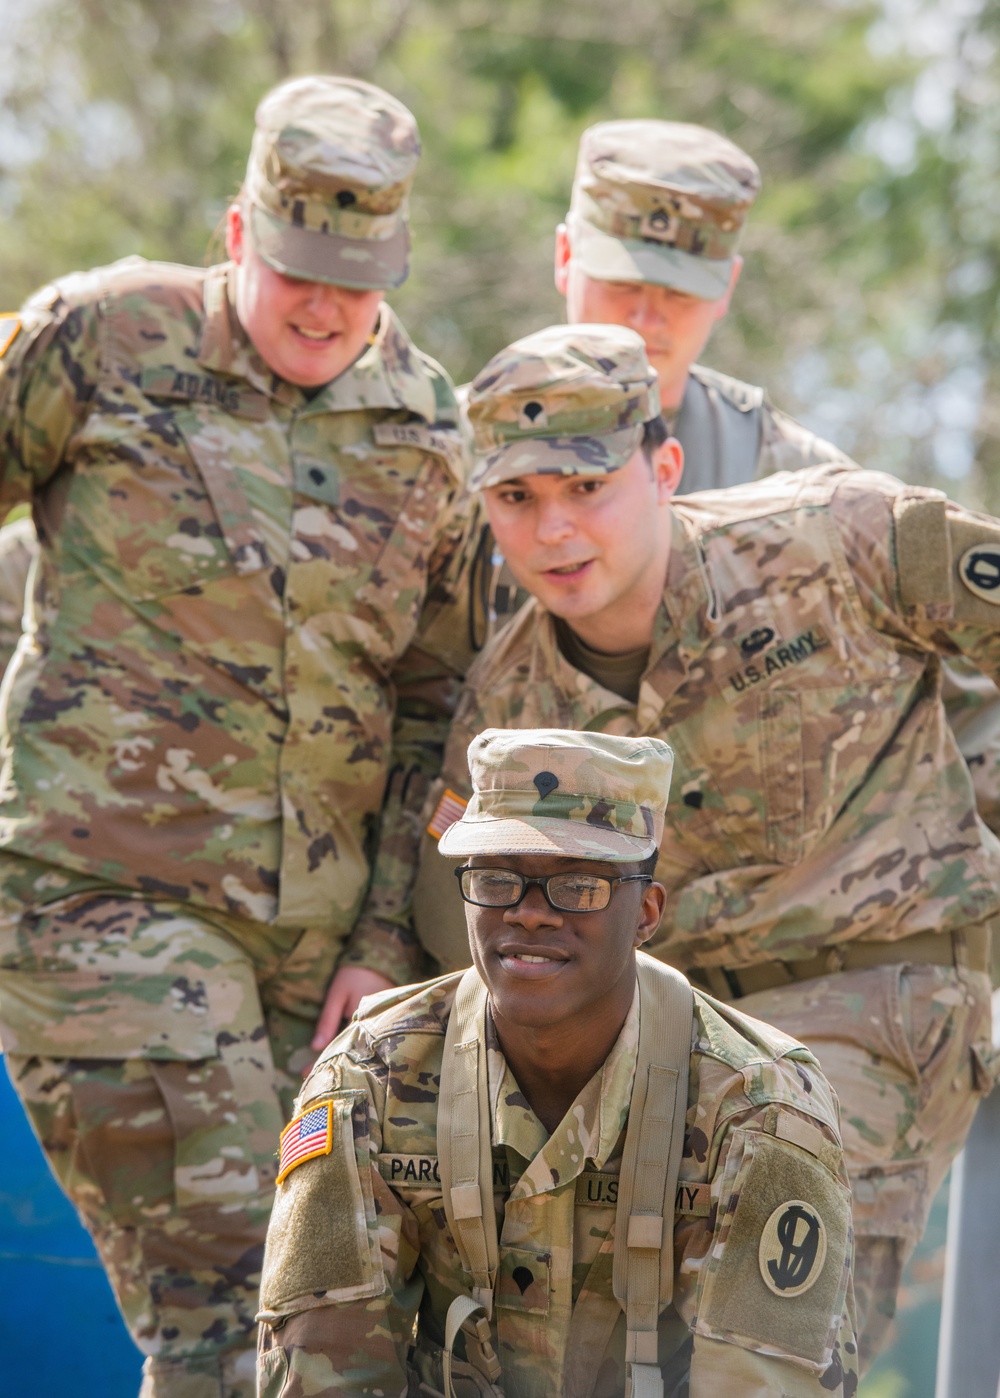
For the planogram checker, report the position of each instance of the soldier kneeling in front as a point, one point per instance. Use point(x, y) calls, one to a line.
point(562, 1172)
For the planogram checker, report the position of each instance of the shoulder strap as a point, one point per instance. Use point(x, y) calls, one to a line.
point(643, 1275)
point(464, 1147)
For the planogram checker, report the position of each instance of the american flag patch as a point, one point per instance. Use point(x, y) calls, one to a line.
point(9, 326)
point(449, 809)
point(309, 1135)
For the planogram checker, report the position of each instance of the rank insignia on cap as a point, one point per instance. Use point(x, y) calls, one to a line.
point(450, 808)
point(792, 1249)
point(306, 1137)
point(979, 569)
point(9, 326)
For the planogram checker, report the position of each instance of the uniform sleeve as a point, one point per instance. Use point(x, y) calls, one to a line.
point(339, 1294)
point(765, 1280)
point(428, 681)
point(48, 376)
point(786, 445)
point(927, 569)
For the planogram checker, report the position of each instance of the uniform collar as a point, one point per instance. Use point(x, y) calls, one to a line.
point(389, 375)
point(587, 1134)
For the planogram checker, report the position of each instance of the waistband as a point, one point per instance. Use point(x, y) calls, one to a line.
point(968, 948)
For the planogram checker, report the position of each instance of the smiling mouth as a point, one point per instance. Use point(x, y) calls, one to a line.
point(525, 963)
point(568, 570)
point(319, 336)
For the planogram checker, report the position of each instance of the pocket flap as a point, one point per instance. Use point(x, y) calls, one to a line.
point(84, 1014)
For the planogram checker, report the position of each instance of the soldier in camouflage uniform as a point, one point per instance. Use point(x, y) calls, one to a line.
point(598, 1182)
point(243, 482)
point(824, 864)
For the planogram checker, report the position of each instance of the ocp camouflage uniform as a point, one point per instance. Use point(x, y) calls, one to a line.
point(826, 818)
point(343, 1286)
point(18, 547)
point(238, 629)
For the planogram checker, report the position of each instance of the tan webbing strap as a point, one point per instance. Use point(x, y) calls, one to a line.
point(464, 1147)
point(643, 1275)
point(465, 1162)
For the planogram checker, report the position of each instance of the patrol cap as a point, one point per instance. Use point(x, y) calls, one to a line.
point(662, 202)
point(330, 169)
point(570, 400)
point(557, 791)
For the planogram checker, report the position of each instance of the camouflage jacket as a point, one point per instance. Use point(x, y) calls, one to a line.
point(818, 793)
point(18, 548)
point(342, 1286)
point(238, 620)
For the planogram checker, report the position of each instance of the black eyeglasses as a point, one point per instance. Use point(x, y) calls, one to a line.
point(567, 893)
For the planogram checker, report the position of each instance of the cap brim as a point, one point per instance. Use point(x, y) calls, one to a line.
point(362, 264)
point(608, 259)
point(569, 839)
point(557, 456)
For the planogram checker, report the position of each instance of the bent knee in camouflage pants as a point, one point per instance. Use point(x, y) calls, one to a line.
point(900, 1045)
point(157, 1049)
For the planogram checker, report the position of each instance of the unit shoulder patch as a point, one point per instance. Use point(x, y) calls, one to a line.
point(10, 326)
point(792, 1249)
point(979, 569)
point(305, 1137)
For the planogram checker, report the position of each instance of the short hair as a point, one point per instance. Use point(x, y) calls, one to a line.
point(648, 866)
point(654, 433)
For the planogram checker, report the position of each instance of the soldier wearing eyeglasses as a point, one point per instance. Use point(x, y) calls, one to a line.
point(561, 1172)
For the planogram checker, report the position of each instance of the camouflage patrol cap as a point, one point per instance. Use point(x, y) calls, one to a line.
point(557, 791)
point(569, 400)
point(662, 202)
point(327, 182)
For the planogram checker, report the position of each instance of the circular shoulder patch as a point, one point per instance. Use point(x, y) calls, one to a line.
point(792, 1249)
point(979, 569)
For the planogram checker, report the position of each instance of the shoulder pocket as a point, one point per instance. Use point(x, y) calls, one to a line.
point(780, 1261)
point(323, 1236)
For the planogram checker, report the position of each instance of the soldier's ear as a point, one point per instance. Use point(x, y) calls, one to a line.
point(234, 233)
point(668, 465)
point(563, 255)
point(722, 305)
point(654, 899)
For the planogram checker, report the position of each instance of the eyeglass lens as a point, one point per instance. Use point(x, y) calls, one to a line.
point(502, 888)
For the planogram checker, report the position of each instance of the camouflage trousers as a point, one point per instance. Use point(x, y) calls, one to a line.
point(157, 1048)
point(904, 1047)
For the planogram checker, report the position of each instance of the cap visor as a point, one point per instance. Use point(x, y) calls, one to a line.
point(557, 456)
point(362, 264)
point(569, 839)
point(608, 259)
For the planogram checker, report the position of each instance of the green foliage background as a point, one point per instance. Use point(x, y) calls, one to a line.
point(868, 302)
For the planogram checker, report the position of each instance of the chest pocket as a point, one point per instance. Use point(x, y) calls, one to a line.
point(155, 504)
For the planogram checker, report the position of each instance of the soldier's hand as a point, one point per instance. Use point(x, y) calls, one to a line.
point(347, 988)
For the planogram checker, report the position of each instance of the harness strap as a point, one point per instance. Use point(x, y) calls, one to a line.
point(643, 1273)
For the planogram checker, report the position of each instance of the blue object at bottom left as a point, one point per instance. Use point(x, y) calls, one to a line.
point(60, 1330)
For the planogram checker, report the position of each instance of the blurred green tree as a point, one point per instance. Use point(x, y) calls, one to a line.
point(868, 301)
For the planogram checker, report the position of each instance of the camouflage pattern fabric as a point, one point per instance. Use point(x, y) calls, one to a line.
point(343, 1285)
point(820, 797)
point(568, 400)
point(18, 547)
point(585, 795)
point(660, 201)
point(328, 181)
point(157, 1049)
point(241, 624)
